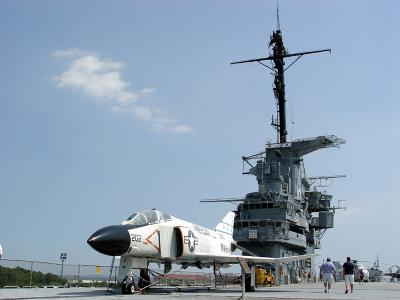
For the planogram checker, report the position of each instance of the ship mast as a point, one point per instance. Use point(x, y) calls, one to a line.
point(277, 57)
point(278, 52)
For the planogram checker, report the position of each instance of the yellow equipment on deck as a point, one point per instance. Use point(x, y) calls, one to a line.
point(264, 276)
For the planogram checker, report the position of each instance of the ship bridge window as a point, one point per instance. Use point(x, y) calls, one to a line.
point(296, 229)
point(267, 205)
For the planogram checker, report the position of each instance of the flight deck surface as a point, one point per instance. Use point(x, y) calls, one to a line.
point(382, 290)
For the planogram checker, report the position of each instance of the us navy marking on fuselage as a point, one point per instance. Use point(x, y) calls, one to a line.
point(225, 248)
point(201, 230)
point(191, 241)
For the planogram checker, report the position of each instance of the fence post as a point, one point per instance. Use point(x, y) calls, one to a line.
point(30, 278)
point(115, 275)
point(79, 273)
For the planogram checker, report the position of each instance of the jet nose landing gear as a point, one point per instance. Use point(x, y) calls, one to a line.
point(128, 285)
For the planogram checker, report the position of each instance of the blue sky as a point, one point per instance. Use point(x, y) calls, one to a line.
point(108, 107)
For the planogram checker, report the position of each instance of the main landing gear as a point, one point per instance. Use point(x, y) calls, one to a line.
point(128, 284)
point(144, 279)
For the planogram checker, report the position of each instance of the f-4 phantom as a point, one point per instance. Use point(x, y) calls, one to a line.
point(151, 236)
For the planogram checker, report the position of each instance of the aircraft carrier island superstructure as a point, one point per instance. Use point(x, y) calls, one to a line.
point(287, 215)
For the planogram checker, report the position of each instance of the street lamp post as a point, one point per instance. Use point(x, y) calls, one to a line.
point(63, 256)
point(30, 277)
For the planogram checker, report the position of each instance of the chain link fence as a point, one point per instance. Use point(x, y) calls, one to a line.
point(28, 273)
point(38, 273)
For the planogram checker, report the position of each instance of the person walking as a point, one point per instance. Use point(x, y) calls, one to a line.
point(361, 276)
point(348, 271)
point(327, 272)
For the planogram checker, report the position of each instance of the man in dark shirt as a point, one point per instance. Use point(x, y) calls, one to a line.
point(348, 271)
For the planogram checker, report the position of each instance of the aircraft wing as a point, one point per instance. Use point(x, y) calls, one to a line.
point(392, 274)
point(239, 259)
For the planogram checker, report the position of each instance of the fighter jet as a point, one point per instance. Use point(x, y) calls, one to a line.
point(152, 236)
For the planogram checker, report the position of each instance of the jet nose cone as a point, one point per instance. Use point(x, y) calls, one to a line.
point(111, 240)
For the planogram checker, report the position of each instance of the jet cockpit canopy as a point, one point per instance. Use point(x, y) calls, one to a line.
point(147, 217)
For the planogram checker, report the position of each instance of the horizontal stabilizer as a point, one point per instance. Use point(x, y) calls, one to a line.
point(234, 259)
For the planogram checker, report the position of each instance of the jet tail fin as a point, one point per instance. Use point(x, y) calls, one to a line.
point(226, 224)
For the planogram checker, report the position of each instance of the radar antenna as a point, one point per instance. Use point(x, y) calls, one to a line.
point(278, 24)
point(277, 57)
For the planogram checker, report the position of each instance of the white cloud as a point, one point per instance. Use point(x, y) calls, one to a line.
point(146, 91)
point(96, 78)
point(70, 53)
point(181, 129)
point(102, 79)
point(143, 113)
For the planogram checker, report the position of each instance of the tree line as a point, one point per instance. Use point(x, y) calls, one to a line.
point(21, 277)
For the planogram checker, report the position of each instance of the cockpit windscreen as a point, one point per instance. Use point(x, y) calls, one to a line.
point(147, 217)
